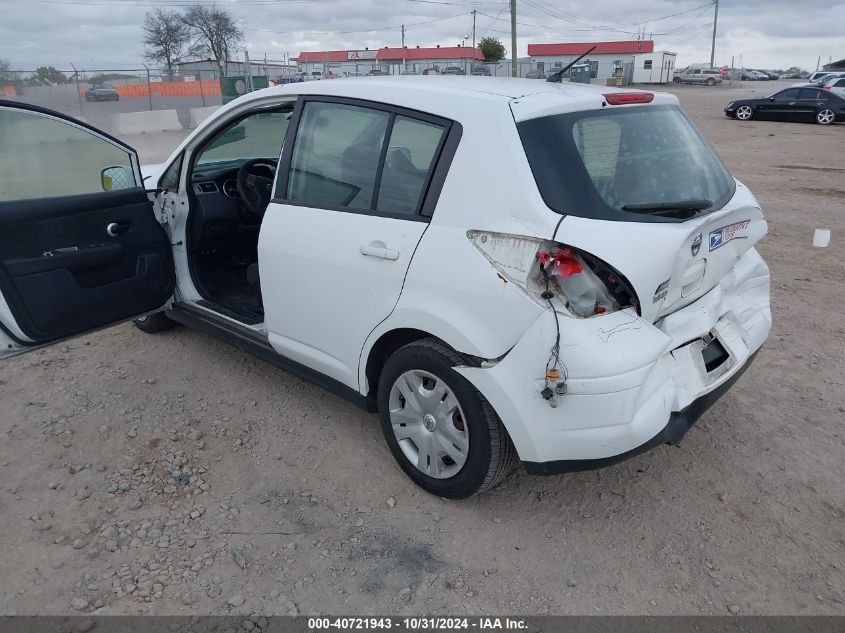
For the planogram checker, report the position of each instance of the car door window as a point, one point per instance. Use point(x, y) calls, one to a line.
point(336, 155)
point(409, 159)
point(44, 157)
point(787, 95)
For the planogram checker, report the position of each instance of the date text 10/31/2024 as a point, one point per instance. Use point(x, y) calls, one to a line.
point(418, 623)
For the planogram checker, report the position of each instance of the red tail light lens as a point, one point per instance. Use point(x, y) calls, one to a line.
point(571, 280)
point(624, 98)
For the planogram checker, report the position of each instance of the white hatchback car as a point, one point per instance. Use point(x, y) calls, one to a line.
point(505, 270)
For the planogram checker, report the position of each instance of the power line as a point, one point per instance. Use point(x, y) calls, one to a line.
point(680, 29)
point(382, 28)
point(553, 12)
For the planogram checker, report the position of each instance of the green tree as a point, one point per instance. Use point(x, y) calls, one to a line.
point(166, 38)
point(215, 33)
point(49, 75)
point(492, 48)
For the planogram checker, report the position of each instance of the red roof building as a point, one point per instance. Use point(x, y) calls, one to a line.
point(388, 54)
point(626, 47)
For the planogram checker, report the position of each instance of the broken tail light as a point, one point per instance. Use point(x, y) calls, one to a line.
point(548, 272)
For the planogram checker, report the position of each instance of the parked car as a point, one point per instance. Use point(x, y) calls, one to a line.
point(686, 69)
point(431, 71)
point(819, 80)
point(536, 331)
point(536, 74)
point(454, 70)
point(792, 104)
point(101, 92)
point(286, 79)
point(376, 72)
point(835, 83)
point(707, 76)
point(770, 75)
point(818, 75)
point(481, 71)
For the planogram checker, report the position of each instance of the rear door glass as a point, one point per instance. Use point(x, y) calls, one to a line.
point(409, 159)
point(336, 155)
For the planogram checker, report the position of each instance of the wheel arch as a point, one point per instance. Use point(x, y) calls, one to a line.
point(386, 344)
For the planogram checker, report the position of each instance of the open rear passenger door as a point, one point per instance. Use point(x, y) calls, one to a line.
point(80, 246)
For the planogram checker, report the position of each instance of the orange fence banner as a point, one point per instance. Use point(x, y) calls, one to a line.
point(207, 87)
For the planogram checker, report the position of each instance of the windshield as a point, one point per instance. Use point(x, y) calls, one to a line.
point(593, 164)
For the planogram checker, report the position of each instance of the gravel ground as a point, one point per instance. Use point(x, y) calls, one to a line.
point(172, 474)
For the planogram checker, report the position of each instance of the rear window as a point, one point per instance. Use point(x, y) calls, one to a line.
point(592, 164)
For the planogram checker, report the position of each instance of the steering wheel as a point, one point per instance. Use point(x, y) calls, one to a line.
point(255, 190)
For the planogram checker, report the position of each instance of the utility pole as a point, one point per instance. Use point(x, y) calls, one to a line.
point(514, 71)
point(404, 59)
point(472, 59)
point(713, 45)
point(78, 93)
point(403, 36)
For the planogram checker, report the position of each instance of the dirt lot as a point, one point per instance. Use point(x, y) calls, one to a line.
point(173, 474)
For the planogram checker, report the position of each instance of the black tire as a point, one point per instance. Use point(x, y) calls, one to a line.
point(491, 456)
point(154, 323)
point(676, 80)
point(711, 81)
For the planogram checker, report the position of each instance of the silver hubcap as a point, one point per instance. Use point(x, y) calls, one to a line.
point(744, 112)
point(825, 116)
point(429, 424)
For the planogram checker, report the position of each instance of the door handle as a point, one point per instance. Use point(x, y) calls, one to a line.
point(378, 249)
point(113, 229)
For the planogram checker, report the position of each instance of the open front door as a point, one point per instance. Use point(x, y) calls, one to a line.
point(80, 246)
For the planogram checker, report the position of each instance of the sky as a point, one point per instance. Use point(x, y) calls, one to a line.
point(106, 34)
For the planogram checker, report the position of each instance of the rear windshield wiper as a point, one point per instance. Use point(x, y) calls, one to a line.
point(656, 208)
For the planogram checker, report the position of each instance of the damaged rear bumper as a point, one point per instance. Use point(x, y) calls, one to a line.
point(679, 423)
point(631, 384)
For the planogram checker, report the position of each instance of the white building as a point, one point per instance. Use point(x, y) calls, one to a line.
point(636, 60)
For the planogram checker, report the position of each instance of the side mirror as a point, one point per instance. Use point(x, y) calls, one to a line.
point(116, 177)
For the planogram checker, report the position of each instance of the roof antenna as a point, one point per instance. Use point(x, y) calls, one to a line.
point(557, 77)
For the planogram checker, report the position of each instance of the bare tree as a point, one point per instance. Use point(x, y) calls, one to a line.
point(215, 33)
point(166, 38)
point(6, 74)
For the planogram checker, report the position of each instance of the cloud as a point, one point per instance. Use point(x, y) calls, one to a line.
point(107, 34)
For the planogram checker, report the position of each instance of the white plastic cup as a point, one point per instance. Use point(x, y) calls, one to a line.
point(821, 238)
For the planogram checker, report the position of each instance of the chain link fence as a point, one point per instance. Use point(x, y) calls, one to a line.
point(98, 96)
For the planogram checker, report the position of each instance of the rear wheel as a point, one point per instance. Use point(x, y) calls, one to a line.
point(441, 430)
point(711, 81)
point(744, 113)
point(154, 323)
point(677, 80)
point(825, 116)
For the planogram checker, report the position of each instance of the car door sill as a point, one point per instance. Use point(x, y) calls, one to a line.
point(256, 343)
